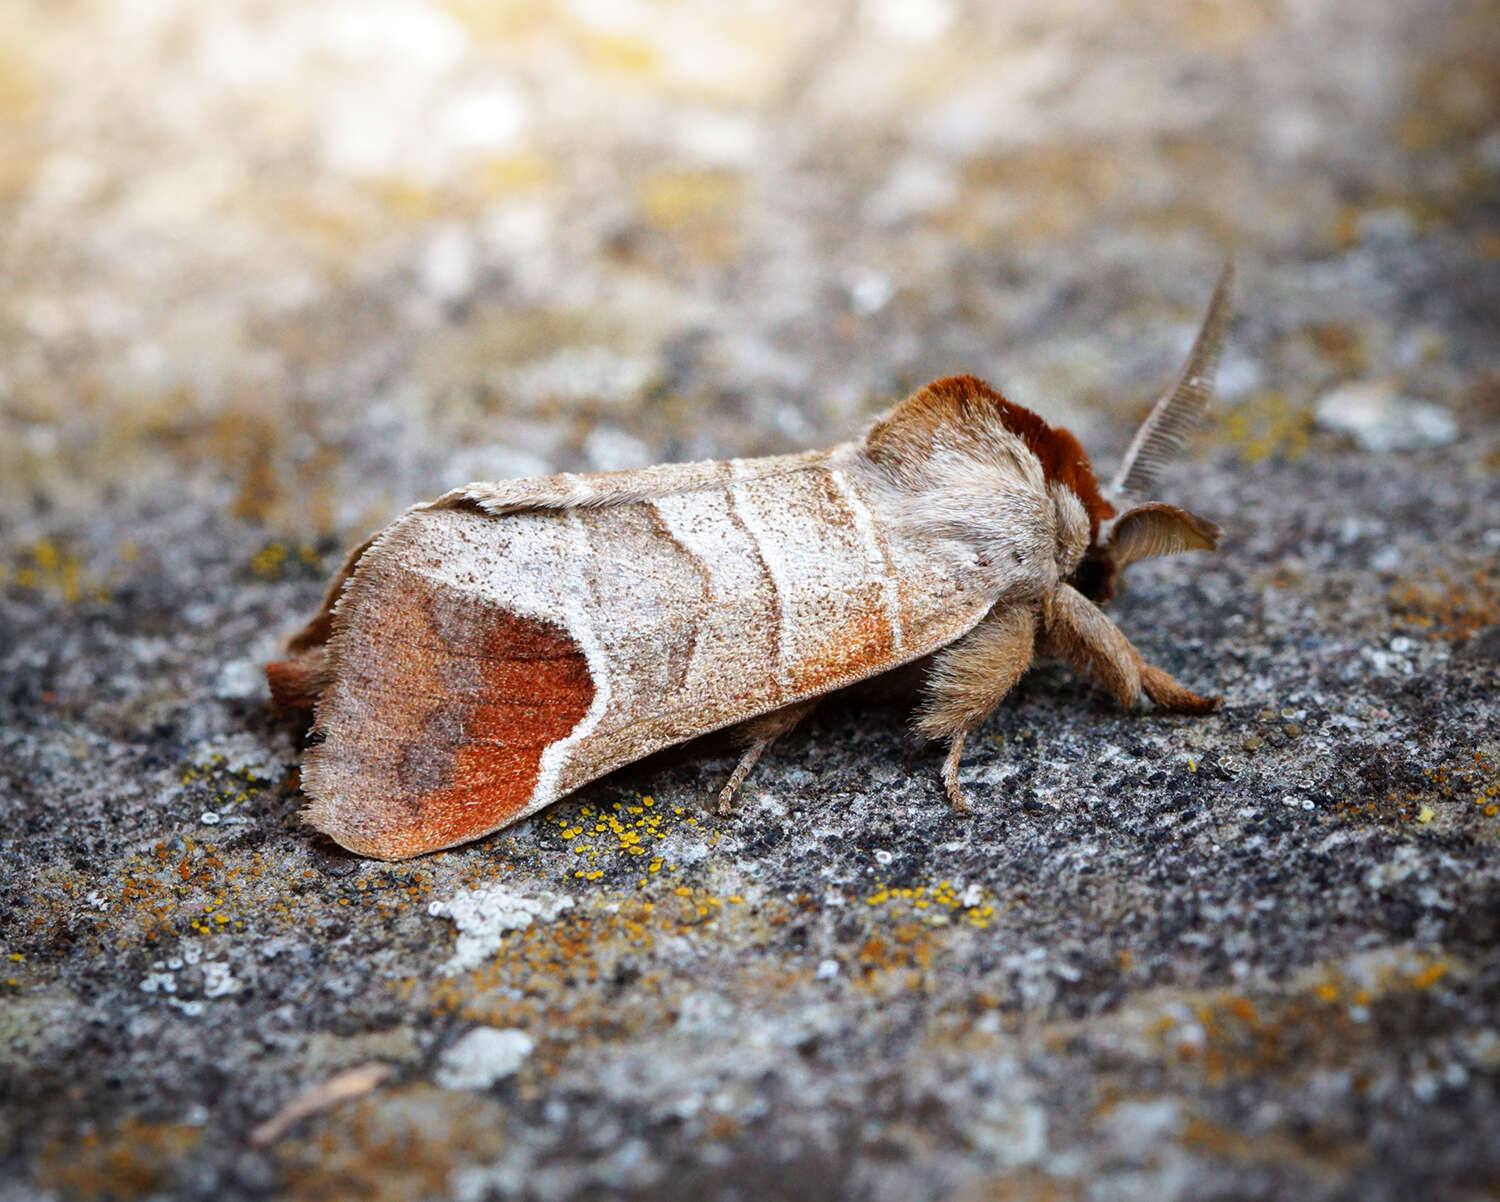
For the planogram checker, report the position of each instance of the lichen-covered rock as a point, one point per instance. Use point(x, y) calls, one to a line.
point(273, 270)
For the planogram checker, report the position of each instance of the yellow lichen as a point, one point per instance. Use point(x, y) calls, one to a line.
point(1268, 426)
point(943, 898)
point(1448, 606)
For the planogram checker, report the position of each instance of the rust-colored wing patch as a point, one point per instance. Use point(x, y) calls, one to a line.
point(438, 713)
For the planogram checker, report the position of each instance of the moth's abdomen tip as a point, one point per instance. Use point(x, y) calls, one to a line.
point(297, 683)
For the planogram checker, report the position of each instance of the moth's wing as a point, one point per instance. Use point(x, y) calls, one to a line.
point(481, 667)
point(721, 604)
point(298, 681)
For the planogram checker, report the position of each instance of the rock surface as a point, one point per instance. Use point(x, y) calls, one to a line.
point(274, 269)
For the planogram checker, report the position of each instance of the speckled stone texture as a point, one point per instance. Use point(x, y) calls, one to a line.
point(274, 269)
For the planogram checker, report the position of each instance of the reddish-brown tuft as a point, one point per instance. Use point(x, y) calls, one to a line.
point(964, 406)
point(297, 683)
point(1063, 459)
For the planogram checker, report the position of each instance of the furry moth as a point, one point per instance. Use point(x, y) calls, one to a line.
point(496, 648)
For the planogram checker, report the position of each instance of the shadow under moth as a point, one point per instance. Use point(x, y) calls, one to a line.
point(494, 649)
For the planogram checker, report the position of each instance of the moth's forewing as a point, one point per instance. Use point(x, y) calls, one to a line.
point(482, 666)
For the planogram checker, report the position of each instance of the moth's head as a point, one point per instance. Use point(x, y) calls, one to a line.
point(1139, 533)
point(1020, 492)
point(981, 464)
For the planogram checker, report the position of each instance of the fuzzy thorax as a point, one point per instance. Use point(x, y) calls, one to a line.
point(1014, 498)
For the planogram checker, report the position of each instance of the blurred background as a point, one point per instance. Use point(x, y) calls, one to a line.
point(298, 263)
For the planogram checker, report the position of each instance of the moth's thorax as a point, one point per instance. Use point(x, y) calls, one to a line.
point(990, 525)
point(964, 468)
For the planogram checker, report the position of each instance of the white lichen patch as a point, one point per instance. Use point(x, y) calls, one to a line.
point(485, 915)
point(482, 1057)
point(1380, 419)
point(217, 980)
point(172, 976)
point(158, 982)
point(241, 679)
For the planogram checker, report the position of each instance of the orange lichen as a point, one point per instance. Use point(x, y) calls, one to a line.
point(1363, 809)
point(1447, 608)
point(895, 960)
point(1206, 1137)
point(546, 977)
point(1024, 1185)
point(1468, 786)
point(721, 1127)
point(132, 1160)
point(1231, 1036)
point(397, 1146)
point(1470, 781)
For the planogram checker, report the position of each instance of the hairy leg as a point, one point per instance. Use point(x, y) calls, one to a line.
point(1077, 630)
point(758, 734)
point(969, 679)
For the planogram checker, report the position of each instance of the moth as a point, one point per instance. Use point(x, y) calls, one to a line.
point(496, 648)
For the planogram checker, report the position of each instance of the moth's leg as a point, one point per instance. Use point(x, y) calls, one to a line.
point(956, 797)
point(969, 679)
point(1170, 695)
point(758, 734)
point(1076, 629)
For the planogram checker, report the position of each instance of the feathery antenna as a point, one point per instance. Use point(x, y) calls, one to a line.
point(1173, 417)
